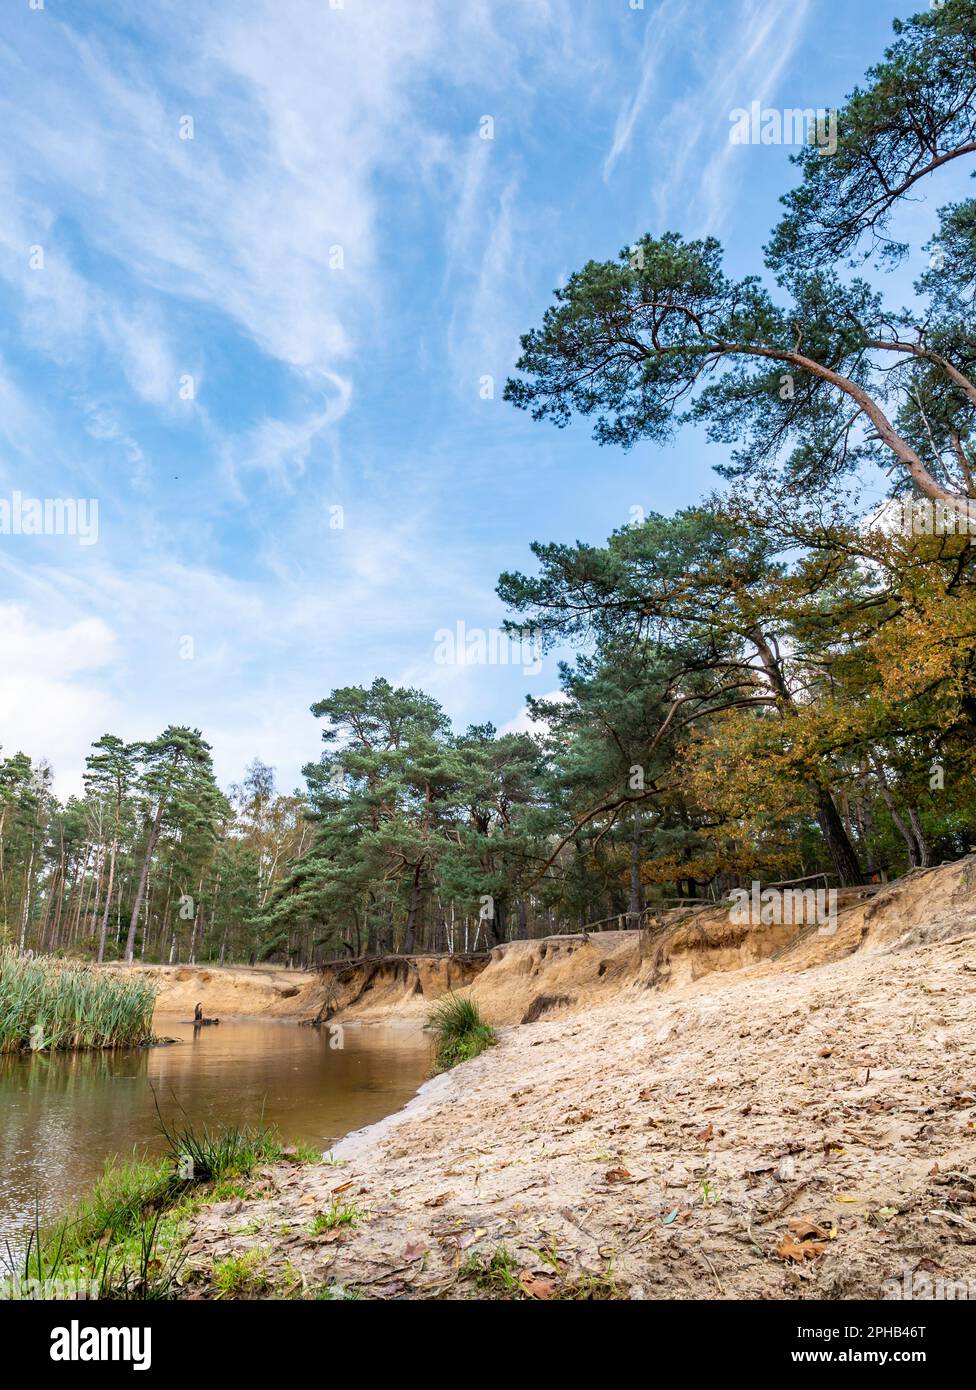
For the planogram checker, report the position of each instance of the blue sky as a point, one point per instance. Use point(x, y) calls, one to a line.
point(193, 354)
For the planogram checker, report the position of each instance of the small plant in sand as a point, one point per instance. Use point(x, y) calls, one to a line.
point(460, 1030)
point(339, 1214)
point(240, 1276)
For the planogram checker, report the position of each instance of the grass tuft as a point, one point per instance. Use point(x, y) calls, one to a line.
point(460, 1030)
point(339, 1214)
point(242, 1276)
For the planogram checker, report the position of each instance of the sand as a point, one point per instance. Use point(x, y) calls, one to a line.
point(721, 1118)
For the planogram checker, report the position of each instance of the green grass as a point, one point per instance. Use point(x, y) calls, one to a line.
point(49, 1005)
point(460, 1031)
point(498, 1275)
point(127, 1236)
point(203, 1156)
point(337, 1215)
point(241, 1276)
point(495, 1274)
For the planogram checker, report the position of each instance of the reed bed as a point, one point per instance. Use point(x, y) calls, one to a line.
point(51, 1005)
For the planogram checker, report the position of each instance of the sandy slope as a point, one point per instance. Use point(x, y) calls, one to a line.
point(673, 1136)
point(232, 989)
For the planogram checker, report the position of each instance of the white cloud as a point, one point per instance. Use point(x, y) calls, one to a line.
point(688, 143)
point(523, 723)
point(662, 25)
point(52, 706)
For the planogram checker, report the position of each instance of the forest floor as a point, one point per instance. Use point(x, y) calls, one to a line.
point(803, 1130)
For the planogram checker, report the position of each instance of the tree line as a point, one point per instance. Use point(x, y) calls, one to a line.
point(777, 682)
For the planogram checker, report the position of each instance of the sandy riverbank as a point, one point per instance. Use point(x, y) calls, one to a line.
point(801, 1126)
point(252, 991)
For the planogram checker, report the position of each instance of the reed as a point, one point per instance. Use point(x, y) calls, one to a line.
point(51, 1005)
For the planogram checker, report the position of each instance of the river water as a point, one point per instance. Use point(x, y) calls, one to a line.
point(62, 1116)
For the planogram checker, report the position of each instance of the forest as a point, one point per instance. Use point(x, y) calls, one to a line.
point(777, 682)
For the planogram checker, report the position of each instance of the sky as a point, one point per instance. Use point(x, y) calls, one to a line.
point(263, 269)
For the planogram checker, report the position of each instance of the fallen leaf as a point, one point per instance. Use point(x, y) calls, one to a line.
point(618, 1175)
point(845, 1197)
point(804, 1229)
point(536, 1285)
point(799, 1250)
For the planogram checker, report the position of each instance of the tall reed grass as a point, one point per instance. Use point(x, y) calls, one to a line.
point(51, 1005)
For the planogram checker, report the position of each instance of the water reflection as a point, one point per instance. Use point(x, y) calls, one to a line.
point(61, 1116)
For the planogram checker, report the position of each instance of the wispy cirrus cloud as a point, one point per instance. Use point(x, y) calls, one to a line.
point(663, 24)
point(685, 132)
point(335, 259)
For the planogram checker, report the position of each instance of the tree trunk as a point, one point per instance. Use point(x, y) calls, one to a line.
point(841, 851)
point(409, 935)
point(914, 851)
point(497, 926)
point(839, 847)
point(154, 829)
point(636, 903)
point(108, 904)
point(924, 855)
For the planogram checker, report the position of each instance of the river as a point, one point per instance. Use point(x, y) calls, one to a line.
point(63, 1115)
